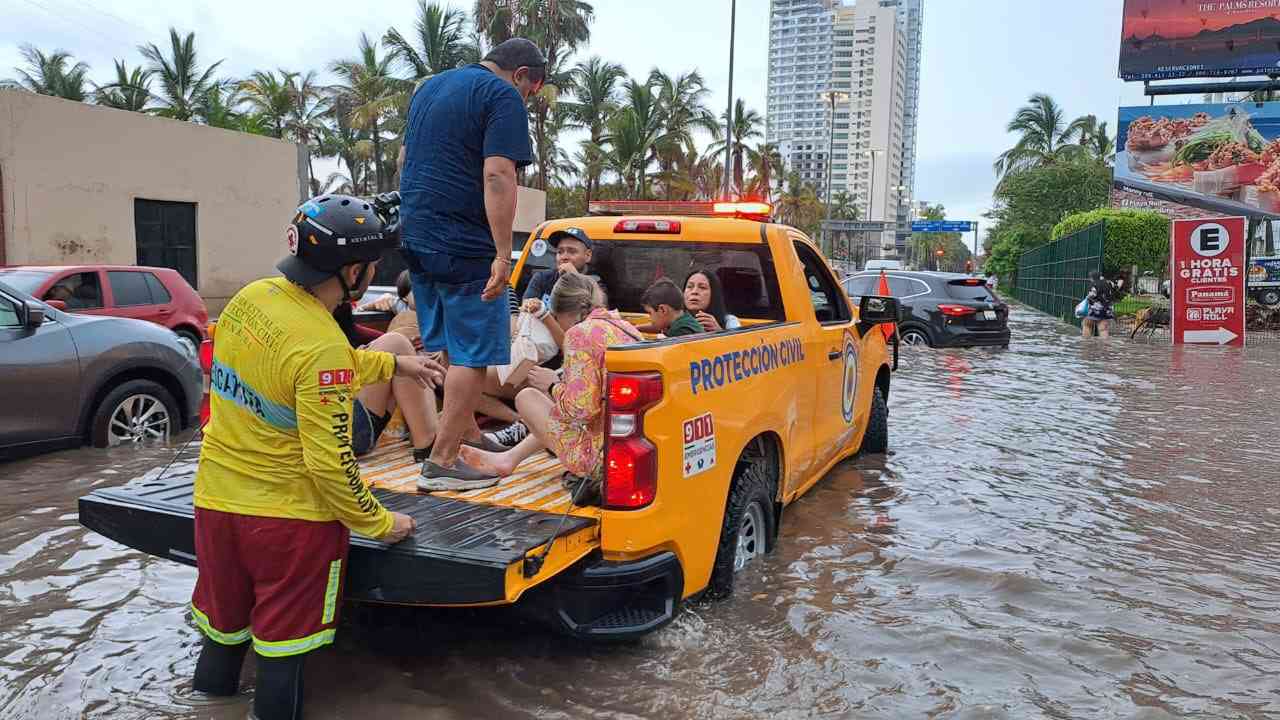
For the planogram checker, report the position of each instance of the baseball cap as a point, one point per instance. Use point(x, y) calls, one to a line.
point(516, 53)
point(573, 232)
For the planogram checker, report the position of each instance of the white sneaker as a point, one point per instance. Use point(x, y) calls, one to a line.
point(509, 436)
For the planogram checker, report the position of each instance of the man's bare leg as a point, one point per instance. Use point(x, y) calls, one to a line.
point(462, 388)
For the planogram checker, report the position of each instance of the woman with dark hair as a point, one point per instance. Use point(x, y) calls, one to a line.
point(704, 299)
point(1101, 299)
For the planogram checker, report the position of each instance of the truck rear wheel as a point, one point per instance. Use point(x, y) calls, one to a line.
point(877, 438)
point(748, 528)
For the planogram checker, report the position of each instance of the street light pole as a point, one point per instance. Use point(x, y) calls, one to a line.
point(871, 194)
point(728, 116)
point(832, 96)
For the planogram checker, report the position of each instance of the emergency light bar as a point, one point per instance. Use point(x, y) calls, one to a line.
point(751, 210)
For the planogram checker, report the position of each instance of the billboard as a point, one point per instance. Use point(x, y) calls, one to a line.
point(1221, 158)
point(1199, 38)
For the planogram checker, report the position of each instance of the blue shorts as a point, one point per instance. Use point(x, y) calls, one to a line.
point(451, 315)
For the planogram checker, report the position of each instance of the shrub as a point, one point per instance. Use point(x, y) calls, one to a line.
point(1134, 237)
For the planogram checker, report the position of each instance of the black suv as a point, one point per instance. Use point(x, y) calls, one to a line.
point(940, 309)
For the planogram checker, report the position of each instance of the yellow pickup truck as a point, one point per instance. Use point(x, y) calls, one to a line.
point(709, 438)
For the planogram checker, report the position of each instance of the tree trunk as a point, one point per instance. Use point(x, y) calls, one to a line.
point(377, 155)
point(586, 208)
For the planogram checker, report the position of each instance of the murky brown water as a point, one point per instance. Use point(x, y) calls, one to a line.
point(1063, 530)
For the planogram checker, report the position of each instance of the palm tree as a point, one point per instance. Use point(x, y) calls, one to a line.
point(50, 74)
point(1092, 136)
point(131, 90)
point(746, 126)
point(182, 83)
point(798, 205)
point(270, 97)
point(682, 103)
point(1045, 137)
point(217, 107)
point(340, 139)
point(593, 84)
point(306, 118)
point(592, 161)
point(765, 161)
point(369, 90)
point(441, 37)
point(843, 207)
point(634, 133)
point(558, 27)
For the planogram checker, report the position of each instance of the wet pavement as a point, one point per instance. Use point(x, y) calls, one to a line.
point(1064, 529)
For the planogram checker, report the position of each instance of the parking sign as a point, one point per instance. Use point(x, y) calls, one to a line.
point(1208, 289)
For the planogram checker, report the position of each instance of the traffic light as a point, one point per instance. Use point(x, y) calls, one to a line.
point(939, 252)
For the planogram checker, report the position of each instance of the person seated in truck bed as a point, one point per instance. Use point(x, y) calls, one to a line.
point(566, 415)
point(664, 303)
point(704, 298)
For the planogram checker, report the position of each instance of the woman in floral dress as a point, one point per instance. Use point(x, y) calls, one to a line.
point(566, 414)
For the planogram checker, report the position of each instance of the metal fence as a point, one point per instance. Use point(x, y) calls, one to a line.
point(1055, 276)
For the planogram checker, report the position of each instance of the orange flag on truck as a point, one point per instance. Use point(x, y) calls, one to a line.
point(883, 290)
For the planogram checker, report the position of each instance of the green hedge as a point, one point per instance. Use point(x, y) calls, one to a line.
point(1134, 237)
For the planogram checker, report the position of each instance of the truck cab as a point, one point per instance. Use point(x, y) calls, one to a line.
point(708, 438)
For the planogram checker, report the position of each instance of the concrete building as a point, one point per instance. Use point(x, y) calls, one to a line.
point(81, 184)
point(870, 51)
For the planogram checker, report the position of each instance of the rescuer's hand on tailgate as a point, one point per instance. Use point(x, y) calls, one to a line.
point(426, 372)
point(401, 527)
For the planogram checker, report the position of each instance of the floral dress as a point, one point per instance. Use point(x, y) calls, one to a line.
point(577, 417)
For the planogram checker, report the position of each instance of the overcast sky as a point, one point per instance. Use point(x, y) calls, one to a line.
point(982, 58)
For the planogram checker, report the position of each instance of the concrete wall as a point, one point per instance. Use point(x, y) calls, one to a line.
point(71, 172)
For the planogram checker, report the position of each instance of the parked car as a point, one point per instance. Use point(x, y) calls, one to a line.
point(940, 309)
point(68, 379)
point(157, 294)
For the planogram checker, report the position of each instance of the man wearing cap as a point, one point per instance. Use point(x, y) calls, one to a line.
point(573, 254)
point(467, 134)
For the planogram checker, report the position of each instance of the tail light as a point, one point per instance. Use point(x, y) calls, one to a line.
point(956, 310)
point(659, 227)
point(630, 460)
point(206, 364)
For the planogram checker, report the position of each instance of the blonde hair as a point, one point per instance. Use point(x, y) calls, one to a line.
point(577, 294)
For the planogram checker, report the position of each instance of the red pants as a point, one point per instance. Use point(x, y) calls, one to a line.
point(273, 580)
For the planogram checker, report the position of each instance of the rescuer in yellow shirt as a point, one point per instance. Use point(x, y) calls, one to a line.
point(278, 487)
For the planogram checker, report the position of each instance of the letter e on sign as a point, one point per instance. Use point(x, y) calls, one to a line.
point(1210, 240)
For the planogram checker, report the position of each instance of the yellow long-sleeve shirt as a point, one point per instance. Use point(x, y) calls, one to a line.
point(278, 443)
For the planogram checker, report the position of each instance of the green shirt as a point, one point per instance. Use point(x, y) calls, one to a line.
point(686, 324)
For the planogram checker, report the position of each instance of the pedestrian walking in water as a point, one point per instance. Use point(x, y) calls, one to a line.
point(467, 134)
point(1101, 299)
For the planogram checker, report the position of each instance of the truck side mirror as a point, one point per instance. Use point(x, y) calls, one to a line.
point(32, 315)
point(876, 310)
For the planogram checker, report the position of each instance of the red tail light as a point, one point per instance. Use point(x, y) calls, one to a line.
point(660, 227)
point(206, 356)
point(956, 310)
point(631, 461)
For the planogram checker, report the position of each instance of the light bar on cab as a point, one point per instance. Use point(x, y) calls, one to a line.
point(749, 209)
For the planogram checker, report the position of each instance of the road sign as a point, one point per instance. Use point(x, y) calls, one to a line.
point(855, 225)
point(1208, 292)
point(960, 226)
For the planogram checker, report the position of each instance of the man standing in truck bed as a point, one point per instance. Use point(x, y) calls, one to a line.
point(278, 485)
point(467, 134)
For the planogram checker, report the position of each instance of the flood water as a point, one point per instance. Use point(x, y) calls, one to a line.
point(1064, 529)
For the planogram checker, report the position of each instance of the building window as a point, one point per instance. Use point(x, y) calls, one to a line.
point(166, 236)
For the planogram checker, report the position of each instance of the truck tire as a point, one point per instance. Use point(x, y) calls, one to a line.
point(144, 401)
point(747, 530)
point(876, 439)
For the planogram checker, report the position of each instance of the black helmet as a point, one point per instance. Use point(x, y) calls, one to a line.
point(330, 232)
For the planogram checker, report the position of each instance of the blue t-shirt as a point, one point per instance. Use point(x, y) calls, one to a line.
point(456, 120)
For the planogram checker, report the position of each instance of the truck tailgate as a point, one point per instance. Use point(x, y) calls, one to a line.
point(468, 548)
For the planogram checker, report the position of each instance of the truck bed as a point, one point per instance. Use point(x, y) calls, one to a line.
point(464, 547)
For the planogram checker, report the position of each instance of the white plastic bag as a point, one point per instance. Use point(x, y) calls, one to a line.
point(532, 346)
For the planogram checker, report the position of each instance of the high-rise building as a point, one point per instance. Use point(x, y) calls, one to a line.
point(866, 52)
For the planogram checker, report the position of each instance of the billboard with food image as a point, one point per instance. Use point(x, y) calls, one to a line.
point(1224, 158)
point(1199, 38)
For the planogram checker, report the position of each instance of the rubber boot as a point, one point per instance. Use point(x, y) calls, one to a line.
point(279, 691)
point(218, 669)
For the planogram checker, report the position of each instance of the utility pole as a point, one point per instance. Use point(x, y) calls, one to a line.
point(728, 116)
point(833, 96)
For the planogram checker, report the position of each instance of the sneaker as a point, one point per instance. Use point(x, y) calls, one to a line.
point(509, 436)
point(459, 477)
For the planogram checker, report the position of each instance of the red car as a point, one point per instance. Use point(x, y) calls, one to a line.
point(157, 294)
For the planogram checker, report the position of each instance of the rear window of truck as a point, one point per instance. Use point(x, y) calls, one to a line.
point(746, 273)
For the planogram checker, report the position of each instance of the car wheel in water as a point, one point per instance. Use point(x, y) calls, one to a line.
point(134, 412)
point(915, 337)
point(876, 439)
point(190, 338)
point(747, 532)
